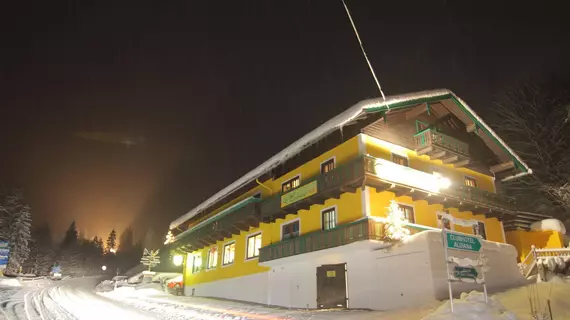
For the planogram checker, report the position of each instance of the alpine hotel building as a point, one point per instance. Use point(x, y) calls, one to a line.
point(302, 230)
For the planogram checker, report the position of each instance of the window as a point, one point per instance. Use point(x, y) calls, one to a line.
point(328, 218)
point(290, 230)
point(470, 182)
point(441, 222)
point(229, 253)
point(291, 184)
point(408, 212)
point(253, 245)
point(479, 230)
point(197, 263)
point(212, 257)
point(403, 161)
point(327, 166)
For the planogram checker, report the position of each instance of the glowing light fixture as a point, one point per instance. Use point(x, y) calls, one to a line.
point(178, 260)
point(112, 250)
point(103, 268)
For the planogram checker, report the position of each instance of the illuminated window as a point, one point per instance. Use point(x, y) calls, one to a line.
point(212, 257)
point(290, 230)
point(442, 222)
point(408, 212)
point(197, 263)
point(470, 182)
point(479, 230)
point(229, 253)
point(291, 184)
point(403, 161)
point(327, 166)
point(253, 245)
point(329, 218)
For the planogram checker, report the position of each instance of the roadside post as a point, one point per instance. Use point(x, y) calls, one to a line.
point(464, 269)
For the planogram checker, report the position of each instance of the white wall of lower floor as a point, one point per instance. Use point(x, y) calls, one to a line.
point(378, 277)
point(251, 288)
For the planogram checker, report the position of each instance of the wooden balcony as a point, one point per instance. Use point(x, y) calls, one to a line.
point(345, 178)
point(440, 146)
point(365, 229)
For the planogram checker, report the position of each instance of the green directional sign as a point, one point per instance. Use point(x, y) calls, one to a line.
point(465, 272)
point(463, 242)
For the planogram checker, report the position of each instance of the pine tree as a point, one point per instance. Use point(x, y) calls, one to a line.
point(112, 241)
point(42, 254)
point(395, 223)
point(126, 240)
point(19, 232)
point(71, 238)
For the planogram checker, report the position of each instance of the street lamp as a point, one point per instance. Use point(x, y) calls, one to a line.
point(103, 268)
point(178, 260)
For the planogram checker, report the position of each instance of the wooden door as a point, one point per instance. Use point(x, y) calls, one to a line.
point(331, 286)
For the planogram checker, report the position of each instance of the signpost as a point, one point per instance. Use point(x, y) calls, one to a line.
point(466, 243)
point(4, 254)
point(465, 272)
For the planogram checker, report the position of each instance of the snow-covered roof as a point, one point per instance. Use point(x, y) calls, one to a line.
point(352, 113)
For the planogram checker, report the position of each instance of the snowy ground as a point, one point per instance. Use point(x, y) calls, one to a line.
point(75, 299)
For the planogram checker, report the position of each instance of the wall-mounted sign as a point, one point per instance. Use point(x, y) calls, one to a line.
point(298, 194)
point(463, 242)
point(331, 273)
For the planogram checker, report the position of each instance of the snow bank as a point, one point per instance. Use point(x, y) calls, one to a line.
point(10, 282)
point(548, 225)
point(472, 306)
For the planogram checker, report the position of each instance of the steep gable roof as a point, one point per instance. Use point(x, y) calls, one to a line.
point(362, 110)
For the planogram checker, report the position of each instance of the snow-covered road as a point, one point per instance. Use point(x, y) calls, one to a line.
point(62, 300)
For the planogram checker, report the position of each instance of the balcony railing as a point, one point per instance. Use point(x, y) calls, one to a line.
point(431, 138)
point(360, 230)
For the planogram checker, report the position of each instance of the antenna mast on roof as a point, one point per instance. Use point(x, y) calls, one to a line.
point(363, 51)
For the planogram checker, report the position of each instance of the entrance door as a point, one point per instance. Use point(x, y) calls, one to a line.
point(331, 286)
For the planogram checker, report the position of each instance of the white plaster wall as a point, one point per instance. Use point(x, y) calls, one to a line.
point(247, 288)
point(403, 276)
point(293, 280)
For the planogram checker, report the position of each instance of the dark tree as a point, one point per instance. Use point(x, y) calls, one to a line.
point(126, 240)
point(534, 119)
point(112, 241)
point(42, 253)
point(71, 238)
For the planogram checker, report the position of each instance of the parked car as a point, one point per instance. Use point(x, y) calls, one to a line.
point(175, 285)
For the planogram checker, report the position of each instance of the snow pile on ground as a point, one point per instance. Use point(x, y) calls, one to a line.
point(548, 225)
point(472, 306)
point(10, 282)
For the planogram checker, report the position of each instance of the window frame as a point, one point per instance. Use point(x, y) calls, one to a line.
point(229, 243)
point(194, 257)
point(470, 178)
point(401, 204)
point(290, 180)
point(208, 267)
point(252, 235)
point(479, 223)
point(324, 163)
point(325, 210)
point(287, 223)
point(394, 156)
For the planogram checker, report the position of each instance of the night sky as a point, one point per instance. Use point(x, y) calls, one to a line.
point(217, 87)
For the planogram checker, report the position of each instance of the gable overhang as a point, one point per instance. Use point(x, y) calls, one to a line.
point(351, 116)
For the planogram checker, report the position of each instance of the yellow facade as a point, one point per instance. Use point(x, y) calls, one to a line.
point(523, 240)
point(349, 207)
